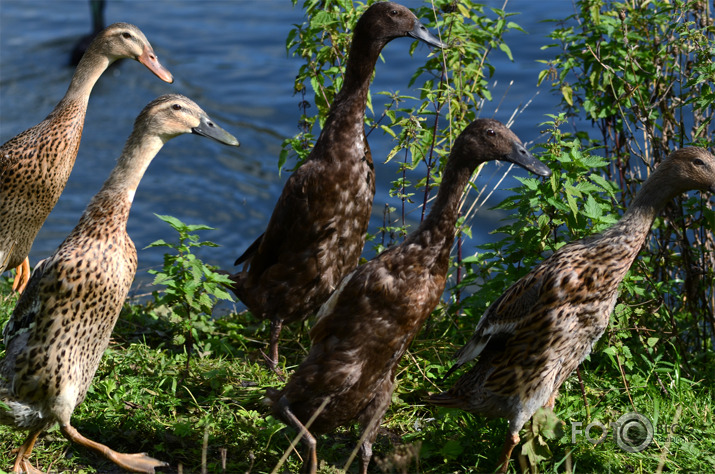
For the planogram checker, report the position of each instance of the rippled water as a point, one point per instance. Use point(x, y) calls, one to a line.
point(230, 57)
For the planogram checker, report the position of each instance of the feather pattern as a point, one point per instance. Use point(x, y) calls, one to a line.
point(543, 326)
point(63, 321)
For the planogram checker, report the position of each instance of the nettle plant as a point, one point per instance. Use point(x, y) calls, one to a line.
point(191, 290)
point(643, 74)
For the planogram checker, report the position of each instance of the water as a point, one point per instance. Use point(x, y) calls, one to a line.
point(230, 57)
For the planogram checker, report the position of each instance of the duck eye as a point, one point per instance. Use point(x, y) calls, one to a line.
point(176, 107)
point(393, 12)
point(491, 132)
point(698, 162)
point(126, 35)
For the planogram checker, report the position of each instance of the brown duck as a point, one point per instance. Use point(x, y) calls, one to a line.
point(533, 336)
point(317, 230)
point(62, 323)
point(35, 165)
point(363, 330)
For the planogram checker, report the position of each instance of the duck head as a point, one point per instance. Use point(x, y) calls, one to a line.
point(490, 140)
point(171, 115)
point(386, 21)
point(122, 40)
point(689, 168)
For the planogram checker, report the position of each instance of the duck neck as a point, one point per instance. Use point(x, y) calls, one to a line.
point(652, 197)
point(438, 229)
point(88, 71)
point(122, 183)
point(359, 68)
point(347, 112)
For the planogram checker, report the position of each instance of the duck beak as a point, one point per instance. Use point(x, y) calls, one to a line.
point(149, 59)
point(209, 129)
point(522, 157)
point(421, 33)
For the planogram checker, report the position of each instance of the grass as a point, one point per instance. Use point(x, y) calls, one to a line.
point(211, 416)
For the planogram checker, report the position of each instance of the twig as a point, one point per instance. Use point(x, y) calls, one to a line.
point(205, 451)
point(666, 447)
point(583, 394)
point(625, 382)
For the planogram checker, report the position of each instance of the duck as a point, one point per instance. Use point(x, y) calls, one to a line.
point(96, 8)
point(318, 227)
point(35, 165)
point(367, 324)
point(541, 328)
point(62, 322)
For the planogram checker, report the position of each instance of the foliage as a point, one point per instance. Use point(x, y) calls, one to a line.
point(192, 288)
point(644, 74)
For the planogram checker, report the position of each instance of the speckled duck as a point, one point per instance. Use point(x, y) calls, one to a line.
point(533, 336)
point(62, 323)
point(35, 165)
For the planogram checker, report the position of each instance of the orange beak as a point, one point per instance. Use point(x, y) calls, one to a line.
point(149, 59)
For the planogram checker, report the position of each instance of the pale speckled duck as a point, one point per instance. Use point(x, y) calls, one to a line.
point(533, 336)
point(366, 325)
point(62, 323)
point(318, 227)
point(35, 165)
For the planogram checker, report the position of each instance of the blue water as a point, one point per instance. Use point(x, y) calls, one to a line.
point(230, 57)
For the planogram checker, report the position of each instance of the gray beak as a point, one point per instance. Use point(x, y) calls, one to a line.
point(421, 33)
point(521, 156)
point(209, 129)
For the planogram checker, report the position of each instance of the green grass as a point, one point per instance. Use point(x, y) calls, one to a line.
point(144, 399)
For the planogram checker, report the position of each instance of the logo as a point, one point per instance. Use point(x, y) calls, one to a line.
point(632, 432)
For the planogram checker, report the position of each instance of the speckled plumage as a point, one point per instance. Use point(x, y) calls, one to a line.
point(363, 330)
point(35, 165)
point(318, 227)
point(63, 321)
point(533, 336)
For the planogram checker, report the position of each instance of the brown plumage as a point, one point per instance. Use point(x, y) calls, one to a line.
point(363, 330)
point(62, 323)
point(533, 336)
point(318, 227)
point(35, 165)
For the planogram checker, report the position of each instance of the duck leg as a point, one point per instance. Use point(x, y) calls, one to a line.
point(137, 462)
point(370, 419)
point(22, 276)
point(22, 461)
point(310, 462)
point(276, 326)
point(512, 439)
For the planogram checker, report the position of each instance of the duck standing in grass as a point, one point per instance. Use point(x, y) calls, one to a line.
point(318, 227)
point(62, 323)
point(534, 335)
point(35, 165)
point(365, 327)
